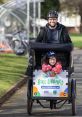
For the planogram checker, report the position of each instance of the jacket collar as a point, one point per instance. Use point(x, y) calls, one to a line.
point(59, 26)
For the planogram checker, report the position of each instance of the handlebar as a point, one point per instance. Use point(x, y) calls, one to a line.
point(44, 46)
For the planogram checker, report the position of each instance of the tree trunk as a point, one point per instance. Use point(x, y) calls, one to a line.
point(81, 24)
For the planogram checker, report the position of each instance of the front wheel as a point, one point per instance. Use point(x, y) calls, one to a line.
point(29, 106)
point(73, 96)
point(29, 97)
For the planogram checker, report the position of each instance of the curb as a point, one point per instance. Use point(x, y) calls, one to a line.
point(9, 93)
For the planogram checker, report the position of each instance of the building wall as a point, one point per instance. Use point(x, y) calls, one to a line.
point(75, 30)
point(71, 22)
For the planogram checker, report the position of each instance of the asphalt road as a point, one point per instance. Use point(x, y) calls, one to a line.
point(16, 105)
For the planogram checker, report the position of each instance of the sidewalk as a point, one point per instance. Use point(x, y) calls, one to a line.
point(13, 89)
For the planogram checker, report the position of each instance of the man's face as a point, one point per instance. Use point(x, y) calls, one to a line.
point(52, 21)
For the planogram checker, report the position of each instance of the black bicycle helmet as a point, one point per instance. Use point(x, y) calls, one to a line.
point(51, 54)
point(52, 14)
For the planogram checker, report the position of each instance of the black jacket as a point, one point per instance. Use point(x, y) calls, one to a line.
point(57, 35)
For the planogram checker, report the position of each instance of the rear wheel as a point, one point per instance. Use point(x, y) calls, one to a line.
point(51, 104)
point(73, 96)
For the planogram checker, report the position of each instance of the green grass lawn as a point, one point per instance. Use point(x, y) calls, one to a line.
point(12, 67)
point(77, 40)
